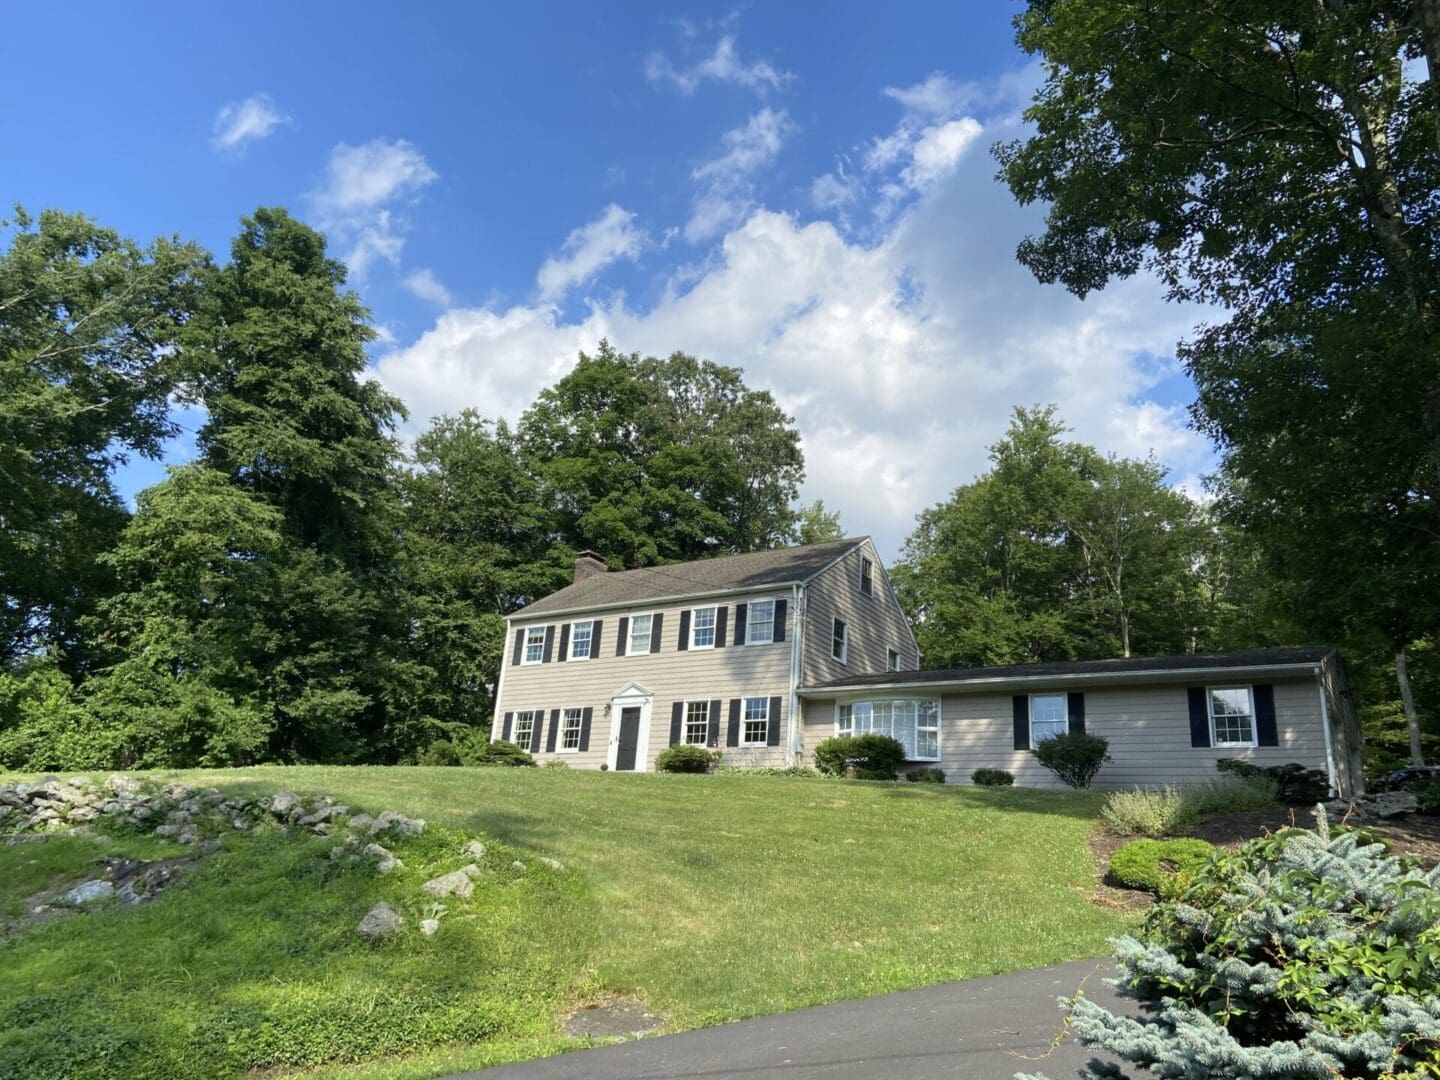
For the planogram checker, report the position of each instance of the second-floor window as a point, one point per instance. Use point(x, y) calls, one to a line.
point(640, 628)
point(581, 634)
point(570, 733)
point(524, 729)
point(892, 660)
point(702, 628)
point(697, 722)
point(760, 623)
point(534, 645)
point(867, 577)
point(840, 641)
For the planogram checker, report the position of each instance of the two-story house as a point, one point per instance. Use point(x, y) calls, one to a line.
point(763, 655)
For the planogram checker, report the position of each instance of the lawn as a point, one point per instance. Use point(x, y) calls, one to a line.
point(709, 898)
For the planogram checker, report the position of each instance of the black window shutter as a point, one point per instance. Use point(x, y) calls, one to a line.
point(1077, 712)
point(656, 626)
point(714, 733)
point(549, 641)
point(1199, 717)
point(537, 728)
point(624, 634)
point(742, 613)
point(677, 717)
point(780, 606)
point(684, 630)
point(732, 731)
point(505, 731)
point(585, 718)
point(554, 730)
point(564, 643)
point(1267, 732)
point(595, 638)
point(772, 737)
point(1021, 710)
point(722, 625)
point(519, 647)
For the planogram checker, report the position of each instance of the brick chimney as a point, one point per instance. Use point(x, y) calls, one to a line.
point(587, 565)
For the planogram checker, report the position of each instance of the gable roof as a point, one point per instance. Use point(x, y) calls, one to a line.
point(703, 577)
point(1135, 665)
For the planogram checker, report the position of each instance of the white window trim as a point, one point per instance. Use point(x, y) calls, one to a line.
point(864, 562)
point(1254, 720)
point(685, 722)
point(515, 728)
point(525, 648)
point(590, 653)
point(579, 728)
point(714, 626)
point(630, 630)
point(939, 727)
point(844, 657)
point(749, 613)
point(892, 659)
point(744, 702)
point(1030, 707)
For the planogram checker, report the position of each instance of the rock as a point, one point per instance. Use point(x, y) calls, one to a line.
point(324, 814)
point(471, 871)
point(167, 830)
point(123, 785)
point(88, 892)
point(382, 920)
point(455, 883)
point(385, 860)
point(391, 822)
point(284, 802)
point(361, 821)
point(1378, 807)
point(189, 834)
point(473, 848)
point(429, 926)
point(323, 829)
point(553, 864)
point(84, 813)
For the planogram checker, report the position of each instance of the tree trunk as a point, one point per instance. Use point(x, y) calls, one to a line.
point(1427, 17)
point(1407, 699)
point(1125, 634)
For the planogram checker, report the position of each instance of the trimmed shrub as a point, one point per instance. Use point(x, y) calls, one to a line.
point(1074, 757)
point(992, 778)
point(1162, 867)
point(1295, 785)
point(440, 752)
point(926, 776)
point(873, 757)
point(685, 758)
point(1303, 954)
point(503, 754)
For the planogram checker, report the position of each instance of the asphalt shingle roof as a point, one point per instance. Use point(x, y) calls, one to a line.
point(1132, 665)
point(753, 569)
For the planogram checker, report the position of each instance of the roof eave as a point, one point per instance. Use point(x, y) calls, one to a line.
point(653, 601)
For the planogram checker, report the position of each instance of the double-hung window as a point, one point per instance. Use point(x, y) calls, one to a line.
point(581, 636)
point(1049, 716)
point(697, 722)
point(534, 645)
point(756, 729)
point(892, 660)
point(760, 623)
point(702, 628)
point(640, 627)
point(570, 729)
point(867, 577)
point(1232, 716)
point(840, 641)
point(914, 723)
point(524, 729)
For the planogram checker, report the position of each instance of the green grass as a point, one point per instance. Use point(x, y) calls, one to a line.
point(710, 898)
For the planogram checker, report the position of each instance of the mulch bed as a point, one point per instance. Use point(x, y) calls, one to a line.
point(1417, 834)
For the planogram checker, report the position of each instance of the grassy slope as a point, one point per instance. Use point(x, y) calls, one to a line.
point(713, 898)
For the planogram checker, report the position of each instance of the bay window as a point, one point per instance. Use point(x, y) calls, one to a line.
point(915, 724)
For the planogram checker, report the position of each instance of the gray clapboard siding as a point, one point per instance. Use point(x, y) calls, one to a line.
point(876, 622)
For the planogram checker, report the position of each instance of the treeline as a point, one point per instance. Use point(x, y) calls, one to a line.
point(306, 590)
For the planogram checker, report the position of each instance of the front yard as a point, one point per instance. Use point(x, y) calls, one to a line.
point(707, 898)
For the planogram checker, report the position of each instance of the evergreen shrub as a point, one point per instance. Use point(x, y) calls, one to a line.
point(872, 756)
point(992, 778)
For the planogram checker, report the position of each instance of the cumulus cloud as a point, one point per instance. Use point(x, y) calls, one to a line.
point(724, 65)
point(425, 285)
point(589, 249)
point(937, 151)
point(244, 121)
point(726, 190)
point(900, 358)
point(355, 201)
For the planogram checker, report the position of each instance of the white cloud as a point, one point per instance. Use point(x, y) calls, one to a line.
point(900, 359)
point(832, 190)
point(241, 122)
point(723, 65)
point(938, 149)
point(726, 191)
point(937, 97)
point(354, 204)
point(425, 285)
point(589, 249)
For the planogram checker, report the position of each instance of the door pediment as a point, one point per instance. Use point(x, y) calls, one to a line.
point(634, 690)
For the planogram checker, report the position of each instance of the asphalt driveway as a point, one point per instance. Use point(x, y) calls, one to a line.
point(984, 1029)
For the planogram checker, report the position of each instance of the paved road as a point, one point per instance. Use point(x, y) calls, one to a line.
point(984, 1029)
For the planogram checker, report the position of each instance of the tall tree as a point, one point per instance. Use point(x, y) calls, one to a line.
point(88, 324)
point(816, 525)
point(655, 460)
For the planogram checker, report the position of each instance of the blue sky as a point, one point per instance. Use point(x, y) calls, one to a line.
point(803, 190)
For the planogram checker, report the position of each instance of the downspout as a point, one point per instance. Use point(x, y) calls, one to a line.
point(797, 650)
point(1320, 680)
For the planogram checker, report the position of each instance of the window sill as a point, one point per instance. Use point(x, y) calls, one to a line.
point(1235, 746)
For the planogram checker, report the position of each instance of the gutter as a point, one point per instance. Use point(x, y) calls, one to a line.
point(1027, 680)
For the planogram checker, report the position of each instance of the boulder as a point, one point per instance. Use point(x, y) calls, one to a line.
point(385, 861)
point(455, 883)
point(380, 921)
point(284, 803)
point(361, 821)
point(89, 892)
point(391, 822)
point(471, 871)
point(473, 849)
